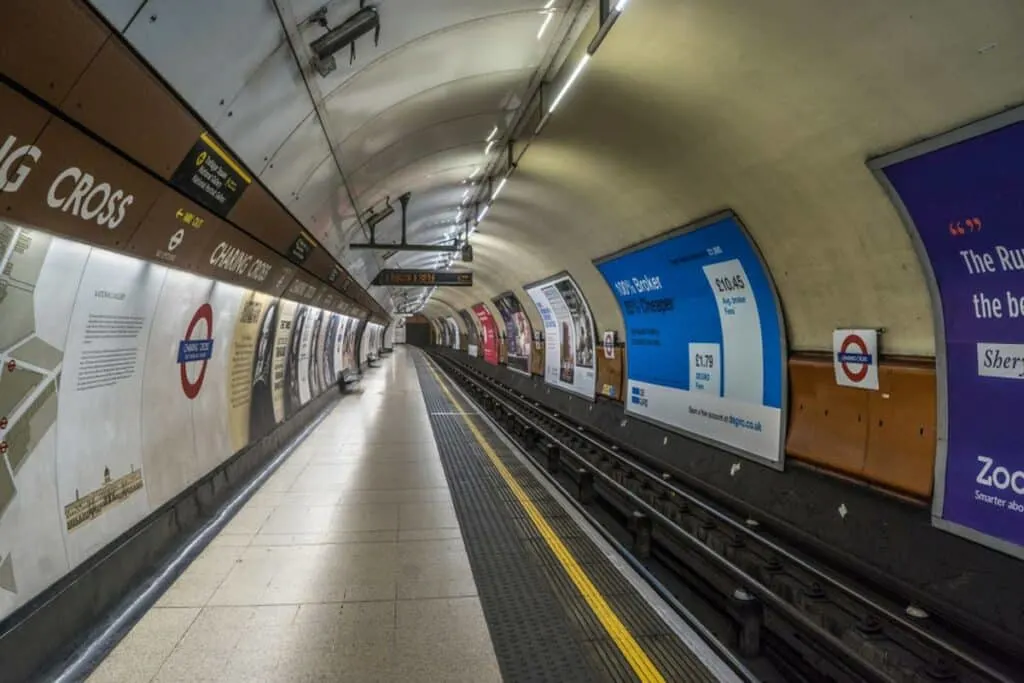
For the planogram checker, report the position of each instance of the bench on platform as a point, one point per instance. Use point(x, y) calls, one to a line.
point(348, 380)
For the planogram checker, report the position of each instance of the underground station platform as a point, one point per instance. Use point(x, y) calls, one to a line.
point(404, 538)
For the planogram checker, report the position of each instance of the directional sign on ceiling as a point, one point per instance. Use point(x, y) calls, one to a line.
point(396, 277)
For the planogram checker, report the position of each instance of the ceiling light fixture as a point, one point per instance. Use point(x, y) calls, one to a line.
point(544, 26)
point(498, 189)
point(482, 213)
point(475, 173)
point(568, 84)
point(493, 133)
point(490, 145)
point(620, 5)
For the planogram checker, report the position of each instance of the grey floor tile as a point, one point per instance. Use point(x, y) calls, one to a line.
point(347, 565)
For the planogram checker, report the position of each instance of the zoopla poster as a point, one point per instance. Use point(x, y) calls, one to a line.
point(705, 337)
point(960, 196)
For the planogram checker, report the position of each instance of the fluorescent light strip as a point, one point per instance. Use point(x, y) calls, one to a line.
point(550, 3)
point(493, 133)
point(544, 26)
point(489, 146)
point(568, 84)
point(483, 212)
point(500, 187)
point(620, 5)
point(475, 173)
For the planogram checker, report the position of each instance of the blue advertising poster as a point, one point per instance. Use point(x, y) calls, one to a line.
point(704, 337)
point(960, 196)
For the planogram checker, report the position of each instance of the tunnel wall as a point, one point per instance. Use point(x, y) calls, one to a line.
point(124, 383)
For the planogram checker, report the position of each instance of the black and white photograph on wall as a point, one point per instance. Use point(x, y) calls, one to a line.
point(349, 354)
point(518, 332)
point(583, 324)
point(292, 397)
point(567, 369)
point(330, 338)
point(261, 410)
point(315, 357)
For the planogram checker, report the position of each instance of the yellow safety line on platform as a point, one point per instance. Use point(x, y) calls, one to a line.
point(642, 665)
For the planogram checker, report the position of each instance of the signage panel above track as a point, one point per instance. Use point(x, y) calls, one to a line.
point(395, 277)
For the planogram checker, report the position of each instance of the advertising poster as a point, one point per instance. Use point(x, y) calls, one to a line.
point(296, 369)
point(262, 416)
point(245, 339)
point(453, 333)
point(35, 305)
point(327, 351)
point(472, 336)
point(518, 332)
point(569, 361)
point(961, 201)
point(280, 367)
point(316, 354)
point(351, 326)
point(100, 478)
point(339, 344)
point(309, 326)
point(704, 330)
point(489, 333)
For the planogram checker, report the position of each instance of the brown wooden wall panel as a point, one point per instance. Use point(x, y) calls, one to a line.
point(21, 124)
point(827, 423)
point(232, 256)
point(537, 358)
point(262, 217)
point(178, 232)
point(901, 430)
point(82, 190)
point(885, 437)
point(47, 44)
point(303, 289)
point(610, 373)
point(120, 100)
point(320, 263)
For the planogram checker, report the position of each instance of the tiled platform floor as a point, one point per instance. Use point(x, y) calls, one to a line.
point(348, 565)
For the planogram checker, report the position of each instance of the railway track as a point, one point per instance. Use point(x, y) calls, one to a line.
point(810, 623)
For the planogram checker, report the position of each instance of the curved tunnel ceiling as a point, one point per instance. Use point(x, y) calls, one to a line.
point(770, 109)
point(411, 114)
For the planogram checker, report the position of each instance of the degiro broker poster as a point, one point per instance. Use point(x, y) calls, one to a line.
point(704, 333)
point(569, 335)
point(960, 196)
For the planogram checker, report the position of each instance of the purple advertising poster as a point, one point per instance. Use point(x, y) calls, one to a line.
point(962, 198)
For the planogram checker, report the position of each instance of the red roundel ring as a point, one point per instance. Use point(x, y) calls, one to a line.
point(855, 341)
point(191, 389)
